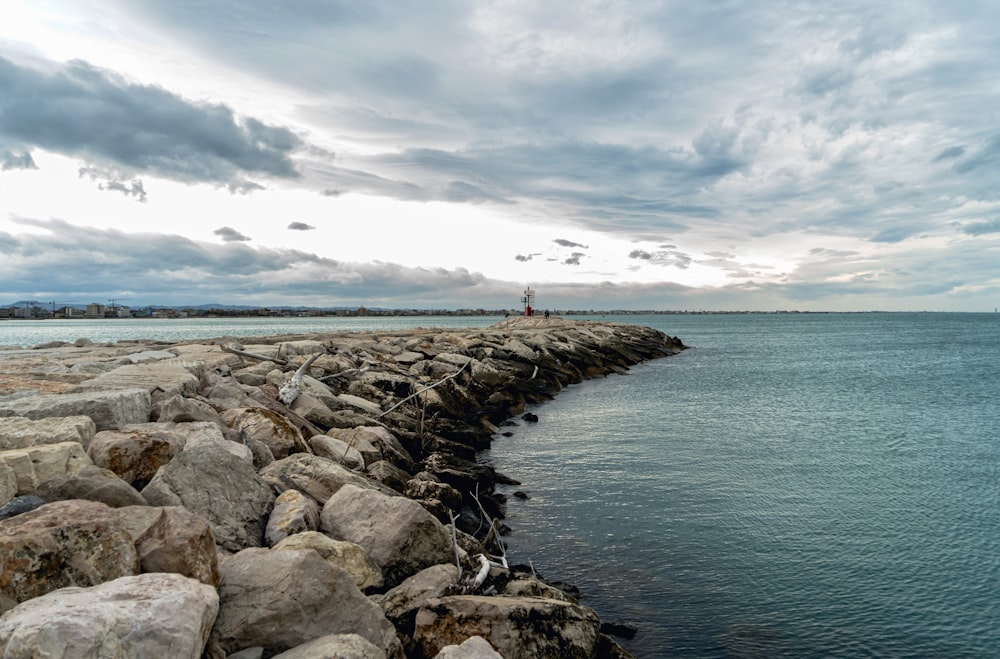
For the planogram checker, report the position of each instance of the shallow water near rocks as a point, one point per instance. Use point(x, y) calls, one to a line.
point(805, 485)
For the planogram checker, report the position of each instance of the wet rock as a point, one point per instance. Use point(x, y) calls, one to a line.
point(388, 474)
point(20, 505)
point(518, 627)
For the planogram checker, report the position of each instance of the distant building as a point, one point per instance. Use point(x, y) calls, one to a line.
point(94, 310)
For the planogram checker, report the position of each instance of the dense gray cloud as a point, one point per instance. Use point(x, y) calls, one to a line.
point(20, 160)
point(81, 110)
point(300, 226)
point(231, 235)
point(709, 125)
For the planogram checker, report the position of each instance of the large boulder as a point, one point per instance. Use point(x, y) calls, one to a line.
point(222, 487)
point(149, 615)
point(19, 432)
point(339, 451)
point(518, 627)
point(269, 427)
point(475, 647)
point(401, 604)
point(318, 477)
point(335, 646)
point(166, 379)
point(397, 533)
point(107, 409)
point(134, 455)
point(173, 539)
point(293, 512)
point(345, 555)
point(66, 543)
point(35, 465)
point(92, 483)
point(279, 600)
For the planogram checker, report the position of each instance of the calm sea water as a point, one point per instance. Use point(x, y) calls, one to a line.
point(795, 486)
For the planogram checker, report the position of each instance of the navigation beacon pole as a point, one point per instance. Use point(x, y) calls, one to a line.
point(528, 299)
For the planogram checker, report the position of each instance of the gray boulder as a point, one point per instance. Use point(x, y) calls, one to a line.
point(334, 646)
point(279, 600)
point(345, 555)
point(92, 483)
point(107, 409)
point(318, 477)
point(475, 647)
point(149, 615)
point(264, 425)
point(35, 465)
point(19, 432)
point(220, 486)
point(397, 533)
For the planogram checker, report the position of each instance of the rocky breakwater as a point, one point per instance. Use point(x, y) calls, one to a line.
point(292, 496)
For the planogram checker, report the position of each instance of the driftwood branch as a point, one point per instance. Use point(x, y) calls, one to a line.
point(253, 355)
point(420, 391)
point(290, 390)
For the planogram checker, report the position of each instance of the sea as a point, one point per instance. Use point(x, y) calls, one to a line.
point(793, 485)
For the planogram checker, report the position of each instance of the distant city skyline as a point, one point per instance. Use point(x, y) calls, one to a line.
point(647, 155)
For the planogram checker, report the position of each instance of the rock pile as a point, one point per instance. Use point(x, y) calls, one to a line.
point(297, 496)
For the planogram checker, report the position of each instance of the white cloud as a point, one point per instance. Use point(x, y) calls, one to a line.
point(751, 156)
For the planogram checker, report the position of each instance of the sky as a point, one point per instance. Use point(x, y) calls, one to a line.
point(649, 154)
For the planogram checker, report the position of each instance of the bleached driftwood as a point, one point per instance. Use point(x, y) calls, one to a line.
point(253, 355)
point(291, 389)
point(417, 393)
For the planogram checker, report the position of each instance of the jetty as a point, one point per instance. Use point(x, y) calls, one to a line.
point(293, 496)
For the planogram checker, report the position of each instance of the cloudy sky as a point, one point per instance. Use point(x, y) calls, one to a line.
point(652, 154)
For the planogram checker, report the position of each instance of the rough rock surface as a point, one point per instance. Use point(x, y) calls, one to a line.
point(335, 646)
point(475, 647)
point(318, 477)
point(225, 489)
point(397, 533)
point(173, 539)
point(149, 615)
point(19, 432)
point(66, 543)
point(213, 486)
point(293, 512)
point(281, 599)
point(35, 465)
point(107, 409)
point(518, 627)
point(345, 555)
point(92, 483)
